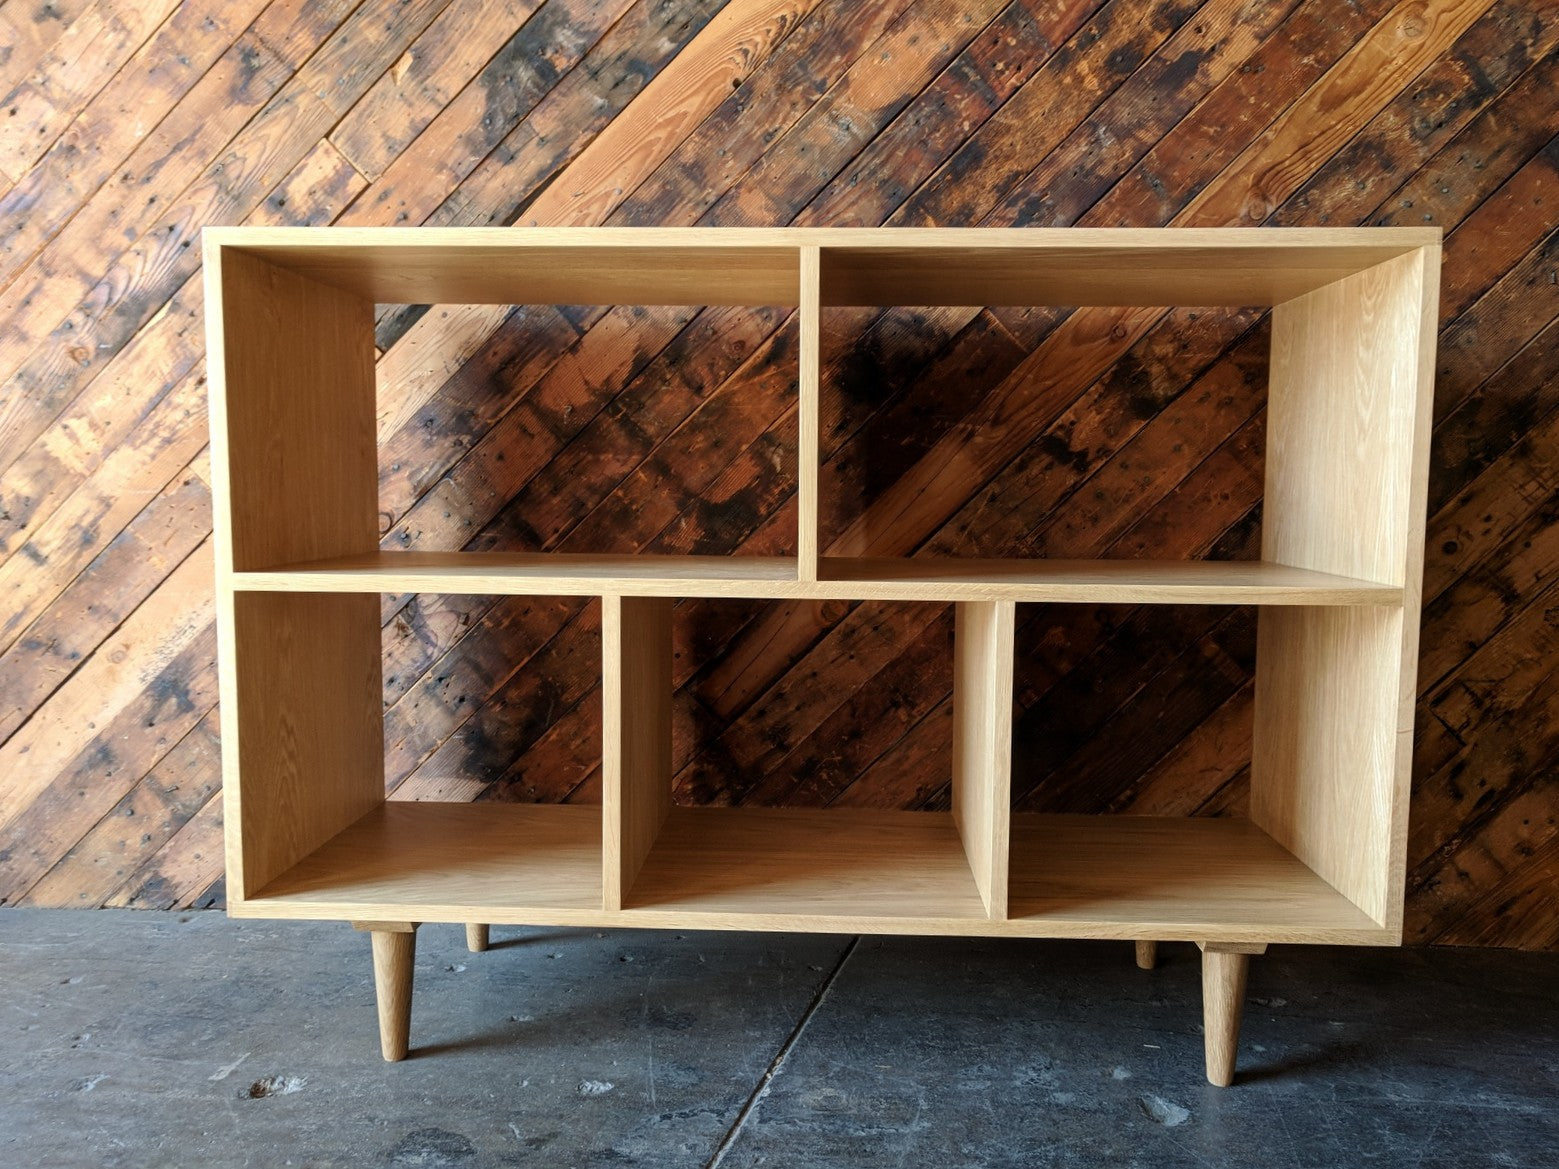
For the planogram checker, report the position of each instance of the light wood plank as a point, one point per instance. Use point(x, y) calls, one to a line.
point(982, 742)
point(874, 266)
point(808, 415)
point(294, 460)
point(433, 862)
point(815, 869)
point(302, 727)
point(636, 694)
point(1165, 878)
point(1347, 468)
point(1222, 582)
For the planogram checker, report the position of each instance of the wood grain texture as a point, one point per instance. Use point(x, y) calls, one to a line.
point(1124, 433)
point(636, 735)
point(981, 790)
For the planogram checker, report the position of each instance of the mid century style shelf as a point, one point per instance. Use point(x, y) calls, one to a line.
point(300, 569)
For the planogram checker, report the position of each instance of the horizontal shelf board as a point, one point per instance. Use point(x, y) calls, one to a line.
point(539, 573)
point(1222, 582)
point(429, 861)
point(1174, 582)
point(806, 868)
point(1192, 874)
point(873, 266)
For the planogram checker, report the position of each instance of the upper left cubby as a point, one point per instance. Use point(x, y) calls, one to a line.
point(629, 419)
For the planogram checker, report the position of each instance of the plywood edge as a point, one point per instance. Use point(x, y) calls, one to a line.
point(1162, 239)
point(809, 415)
point(1430, 259)
point(222, 549)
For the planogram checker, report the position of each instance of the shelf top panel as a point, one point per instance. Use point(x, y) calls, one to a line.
point(1197, 582)
point(860, 266)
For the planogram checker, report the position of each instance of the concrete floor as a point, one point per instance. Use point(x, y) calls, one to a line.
point(146, 1040)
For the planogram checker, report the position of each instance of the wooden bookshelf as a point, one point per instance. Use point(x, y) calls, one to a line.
point(1320, 859)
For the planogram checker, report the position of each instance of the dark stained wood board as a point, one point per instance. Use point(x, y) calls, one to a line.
point(1119, 432)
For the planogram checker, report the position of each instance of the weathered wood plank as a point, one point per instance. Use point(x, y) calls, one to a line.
point(919, 44)
point(105, 302)
point(794, 77)
point(922, 137)
point(139, 827)
point(437, 66)
point(293, 29)
point(540, 54)
point(70, 74)
point(121, 672)
point(113, 458)
point(159, 76)
point(1161, 98)
point(183, 874)
point(1268, 171)
point(28, 32)
point(1093, 63)
point(161, 165)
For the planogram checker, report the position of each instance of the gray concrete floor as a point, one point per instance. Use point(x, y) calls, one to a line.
point(146, 1040)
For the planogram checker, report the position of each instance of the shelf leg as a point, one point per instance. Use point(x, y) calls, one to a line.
point(1147, 955)
point(395, 947)
point(476, 938)
point(1224, 967)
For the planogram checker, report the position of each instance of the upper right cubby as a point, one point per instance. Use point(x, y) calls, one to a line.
point(1221, 415)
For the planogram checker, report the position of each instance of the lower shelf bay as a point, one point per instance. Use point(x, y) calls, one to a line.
point(840, 870)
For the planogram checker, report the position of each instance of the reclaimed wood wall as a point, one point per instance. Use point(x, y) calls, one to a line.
point(127, 126)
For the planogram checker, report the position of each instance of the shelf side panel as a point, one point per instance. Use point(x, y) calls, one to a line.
point(636, 735)
point(293, 402)
point(1324, 763)
point(1345, 406)
point(306, 702)
point(982, 742)
point(809, 415)
point(1349, 410)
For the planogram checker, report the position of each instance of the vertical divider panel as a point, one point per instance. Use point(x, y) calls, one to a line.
point(982, 742)
point(294, 477)
point(809, 413)
point(1349, 407)
point(636, 736)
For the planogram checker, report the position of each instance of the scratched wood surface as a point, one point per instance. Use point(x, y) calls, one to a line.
point(127, 126)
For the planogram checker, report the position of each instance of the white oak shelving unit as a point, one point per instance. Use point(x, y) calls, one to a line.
point(311, 835)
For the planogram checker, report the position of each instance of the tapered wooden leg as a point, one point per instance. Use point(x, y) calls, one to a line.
point(1224, 966)
point(476, 938)
point(1147, 955)
point(395, 948)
